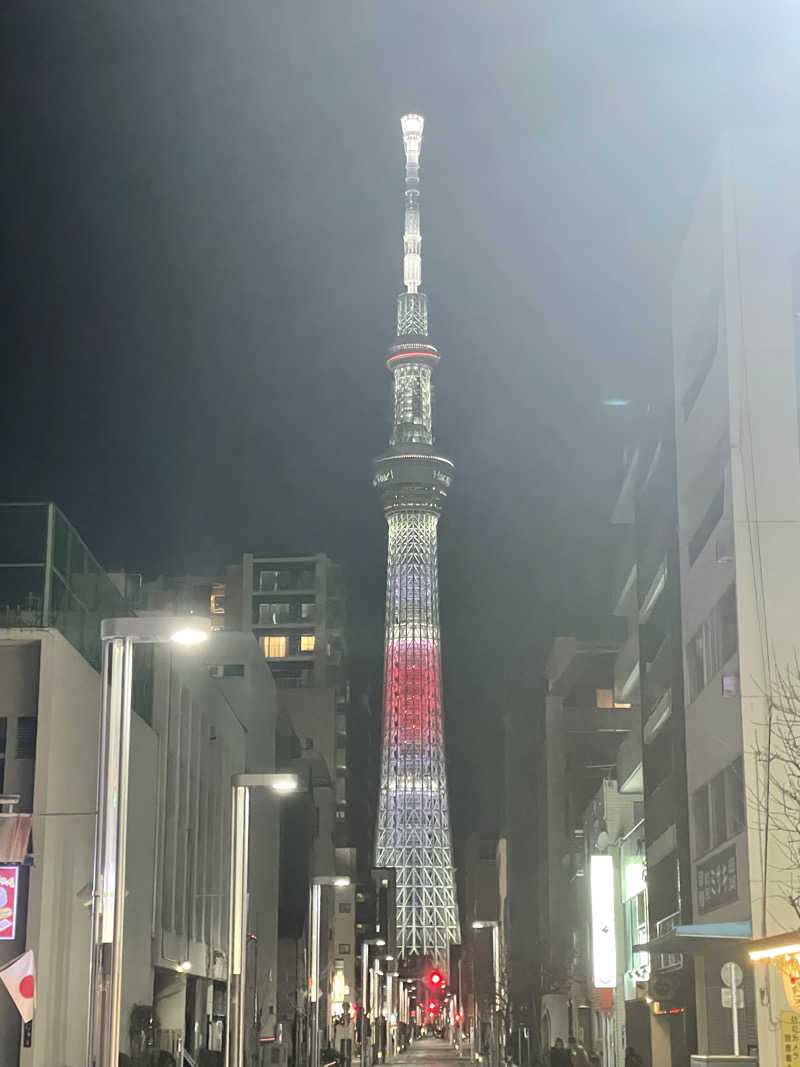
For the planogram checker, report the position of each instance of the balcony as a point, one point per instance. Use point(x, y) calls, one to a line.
point(48, 577)
point(667, 961)
point(597, 720)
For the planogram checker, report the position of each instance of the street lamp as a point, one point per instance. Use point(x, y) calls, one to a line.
point(494, 926)
point(340, 881)
point(118, 636)
point(379, 942)
point(241, 784)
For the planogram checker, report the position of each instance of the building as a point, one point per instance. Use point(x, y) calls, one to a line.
point(413, 478)
point(651, 763)
point(736, 299)
point(524, 802)
point(292, 611)
point(583, 731)
point(199, 717)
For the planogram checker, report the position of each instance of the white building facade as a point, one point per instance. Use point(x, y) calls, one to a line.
point(738, 463)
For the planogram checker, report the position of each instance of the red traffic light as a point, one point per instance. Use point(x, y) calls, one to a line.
point(458, 1016)
point(436, 978)
point(433, 1007)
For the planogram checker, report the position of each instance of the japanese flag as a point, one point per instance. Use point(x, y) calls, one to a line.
point(19, 979)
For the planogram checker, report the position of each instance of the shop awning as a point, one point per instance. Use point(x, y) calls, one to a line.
point(698, 937)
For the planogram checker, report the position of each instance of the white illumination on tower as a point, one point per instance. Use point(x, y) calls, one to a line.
point(413, 819)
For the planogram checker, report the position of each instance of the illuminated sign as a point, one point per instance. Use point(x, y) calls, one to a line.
point(9, 878)
point(604, 949)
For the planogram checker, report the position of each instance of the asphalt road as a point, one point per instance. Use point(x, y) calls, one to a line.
point(429, 1052)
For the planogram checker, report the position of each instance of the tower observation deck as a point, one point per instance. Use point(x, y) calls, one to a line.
point(413, 477)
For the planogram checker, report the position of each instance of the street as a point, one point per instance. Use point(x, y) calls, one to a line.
point(428, 1052)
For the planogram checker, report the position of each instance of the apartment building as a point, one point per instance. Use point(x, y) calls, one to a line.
point(736, 299)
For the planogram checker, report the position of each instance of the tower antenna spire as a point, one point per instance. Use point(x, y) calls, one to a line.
point(412, 305)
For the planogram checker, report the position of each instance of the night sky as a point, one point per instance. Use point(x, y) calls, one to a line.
point(201, 248)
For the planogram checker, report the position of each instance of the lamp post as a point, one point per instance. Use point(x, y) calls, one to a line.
point(315, 914)
point(241, 784)
point(380, 943)
point(494, 925)
point(118, 637)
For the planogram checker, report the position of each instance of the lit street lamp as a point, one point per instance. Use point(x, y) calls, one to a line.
point(379, 942)
point(241, 784)
point(494, 926)
point(118, 636)
point(315, 912)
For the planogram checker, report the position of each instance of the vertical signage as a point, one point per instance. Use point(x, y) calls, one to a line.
point(9, 877)
point(604, 948)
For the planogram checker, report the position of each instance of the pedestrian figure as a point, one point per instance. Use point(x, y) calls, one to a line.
point(559, 1055)
point(578, 1052)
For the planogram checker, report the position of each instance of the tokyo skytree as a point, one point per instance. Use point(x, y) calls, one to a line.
point(413, 477)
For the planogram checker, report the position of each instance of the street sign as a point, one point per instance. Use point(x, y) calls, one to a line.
point(727, 998)
point(731, 974)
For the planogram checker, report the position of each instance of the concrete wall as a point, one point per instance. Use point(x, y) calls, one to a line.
point(63, 840)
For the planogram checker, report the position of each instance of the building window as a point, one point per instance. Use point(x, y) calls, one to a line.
point(702, 825)
point(344, 950)
point(307, 642)
point(274, 647)
point(345, 909)
point(26, 737)
point(268, 581)
point(273, 614)
point(713, 645)
point(604, 698)
point(307, 610)
point(716, 794)
point(734, 797)
point(707, 524)
point(718, 808)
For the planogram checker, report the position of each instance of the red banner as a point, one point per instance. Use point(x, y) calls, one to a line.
point(9, 880)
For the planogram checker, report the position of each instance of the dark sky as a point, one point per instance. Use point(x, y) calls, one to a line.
point(202, 208)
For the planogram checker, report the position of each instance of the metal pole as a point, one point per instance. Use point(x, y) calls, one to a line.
point(108, 883)
point(734, 1010)
point(313, 985)
point(496, 1011)
point(364, 1002)
point(237, 926)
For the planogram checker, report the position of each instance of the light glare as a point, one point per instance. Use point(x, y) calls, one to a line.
point(189, 636)
point(287, 784)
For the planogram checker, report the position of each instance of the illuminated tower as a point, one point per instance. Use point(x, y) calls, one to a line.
point(413, 478)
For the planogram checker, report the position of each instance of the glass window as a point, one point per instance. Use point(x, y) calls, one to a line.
point(307, 642)
point(307, 610)
point(268, 581)
point(719, 828)
point(713, 644)
point(274, 647)
point(273, 614)
point(702, 826)
point(604, 698)
point(734, 797)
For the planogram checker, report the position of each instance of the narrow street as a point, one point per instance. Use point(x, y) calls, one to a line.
point(428, 1052)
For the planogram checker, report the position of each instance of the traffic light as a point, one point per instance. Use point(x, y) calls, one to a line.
point(457, 1016)
point(433, 1007)
point(436, 979)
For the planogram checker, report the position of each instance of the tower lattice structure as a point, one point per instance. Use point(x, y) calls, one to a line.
point(413, 477)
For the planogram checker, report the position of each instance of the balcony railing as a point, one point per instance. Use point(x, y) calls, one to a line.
point(667, 961)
